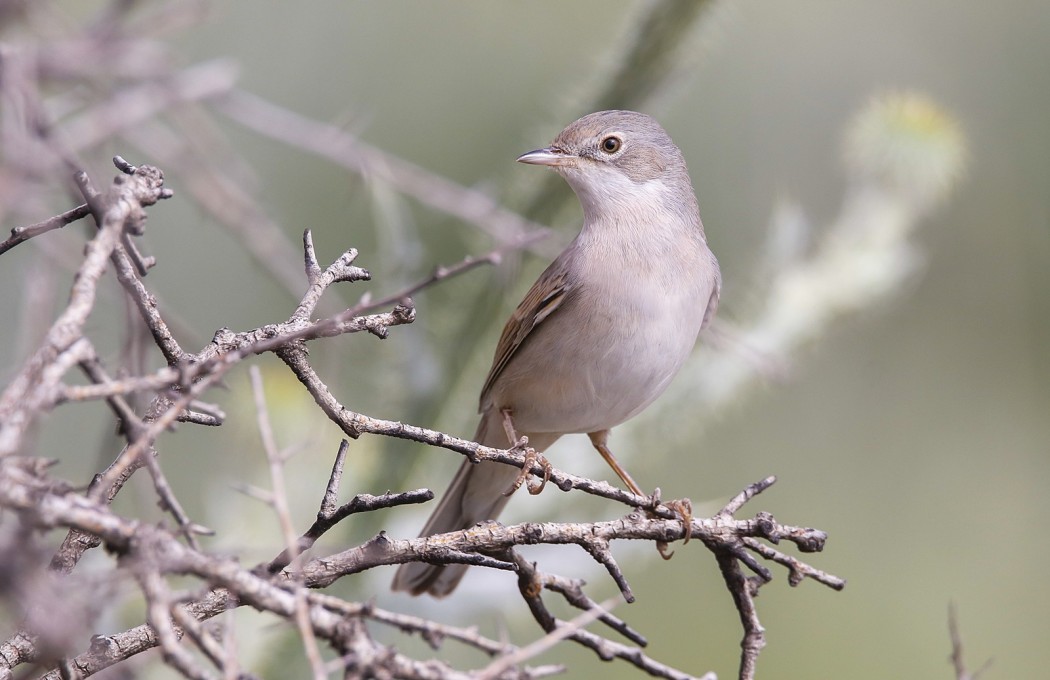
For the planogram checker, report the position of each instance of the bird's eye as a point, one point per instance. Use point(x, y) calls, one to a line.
point(611, 144)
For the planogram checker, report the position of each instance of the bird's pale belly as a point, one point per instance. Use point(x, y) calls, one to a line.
point(597, 385)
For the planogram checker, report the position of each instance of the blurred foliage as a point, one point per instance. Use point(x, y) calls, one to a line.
point(905, 141)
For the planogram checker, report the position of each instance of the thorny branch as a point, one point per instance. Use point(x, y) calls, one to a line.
point(184, 625)
point(153, 553)
point(23, 488)
point(122, 208)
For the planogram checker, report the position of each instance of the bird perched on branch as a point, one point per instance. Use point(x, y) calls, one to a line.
point(603, 330)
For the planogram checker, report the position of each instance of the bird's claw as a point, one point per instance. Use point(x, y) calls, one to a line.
point(532, 457)
point(684, 508)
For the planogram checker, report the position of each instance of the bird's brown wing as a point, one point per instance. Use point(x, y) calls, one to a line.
point(543, 299)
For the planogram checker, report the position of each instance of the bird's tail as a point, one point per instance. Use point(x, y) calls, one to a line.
point(475, 495)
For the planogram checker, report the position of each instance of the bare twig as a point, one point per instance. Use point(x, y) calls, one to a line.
point(752, 490)
point(530, 585)
point(957, 649)
point(23, 234)
point(216, 653)
point(351, 153)
point(279, 501)
point(330, 514)
point(797, 570)
point(129, 423)
point(160, 380)
point(499, 666)
point(123, 205)
point(158, 613)
point(209, 177)
point(432, 632)
point(440, 274)
point(572, 591)
point(143, 102)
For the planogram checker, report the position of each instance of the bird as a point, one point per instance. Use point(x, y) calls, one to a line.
point(602, 331)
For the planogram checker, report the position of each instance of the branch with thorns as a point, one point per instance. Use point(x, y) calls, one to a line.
point(285, 586)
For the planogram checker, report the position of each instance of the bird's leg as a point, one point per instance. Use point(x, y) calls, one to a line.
point(508, 426)
point(599, 440)
point(683, 507)
point(532, 456)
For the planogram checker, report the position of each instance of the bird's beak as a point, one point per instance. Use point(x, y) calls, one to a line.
point(549, 156)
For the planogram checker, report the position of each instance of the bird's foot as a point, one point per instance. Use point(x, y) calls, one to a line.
point(684, 508)
point(532, 457)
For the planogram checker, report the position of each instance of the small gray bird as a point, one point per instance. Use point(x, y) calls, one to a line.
point(603, 330)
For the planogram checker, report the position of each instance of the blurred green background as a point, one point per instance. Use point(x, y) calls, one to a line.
point(916, 432)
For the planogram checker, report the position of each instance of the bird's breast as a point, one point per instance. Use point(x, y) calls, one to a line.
point(628, 327)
